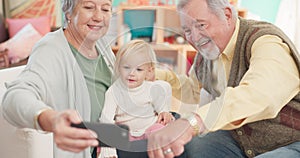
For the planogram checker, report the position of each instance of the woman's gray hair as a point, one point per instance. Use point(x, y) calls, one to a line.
point(67, 7)
point(216, 6)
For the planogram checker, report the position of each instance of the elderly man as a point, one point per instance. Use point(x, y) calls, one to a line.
point(251, 69)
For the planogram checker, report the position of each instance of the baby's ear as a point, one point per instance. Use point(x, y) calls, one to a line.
point(151, 73)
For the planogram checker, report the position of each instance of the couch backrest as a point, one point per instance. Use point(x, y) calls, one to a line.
point(6, 75)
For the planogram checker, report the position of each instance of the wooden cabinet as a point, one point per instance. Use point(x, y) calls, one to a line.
point(166, 24)
point(165, 20)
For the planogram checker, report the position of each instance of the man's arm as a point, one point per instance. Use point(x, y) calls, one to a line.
point(270, 83)
point(184, 88)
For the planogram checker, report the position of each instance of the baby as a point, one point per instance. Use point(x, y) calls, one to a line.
point(132, 100)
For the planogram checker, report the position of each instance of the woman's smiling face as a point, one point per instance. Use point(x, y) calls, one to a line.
point(90, 19)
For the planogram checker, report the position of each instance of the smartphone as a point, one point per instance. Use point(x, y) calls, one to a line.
point(112, 135)
point(109, 135)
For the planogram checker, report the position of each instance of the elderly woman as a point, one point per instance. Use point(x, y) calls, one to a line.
point(65, 79)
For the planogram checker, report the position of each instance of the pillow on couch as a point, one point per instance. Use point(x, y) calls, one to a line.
point(19, 47)
point(41, 24)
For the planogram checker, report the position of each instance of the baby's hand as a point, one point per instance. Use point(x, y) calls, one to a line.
point(165, 118)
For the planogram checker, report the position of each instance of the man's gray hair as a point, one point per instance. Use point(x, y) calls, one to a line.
point(216, 7)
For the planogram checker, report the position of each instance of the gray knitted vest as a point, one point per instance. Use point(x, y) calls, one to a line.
point(266, 135)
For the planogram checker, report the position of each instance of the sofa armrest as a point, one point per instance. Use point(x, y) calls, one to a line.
point(17, 142)
point(39, 144)
point(25, 143)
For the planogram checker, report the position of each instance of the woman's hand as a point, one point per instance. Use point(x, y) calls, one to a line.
point(165, 118)
point(66, 137)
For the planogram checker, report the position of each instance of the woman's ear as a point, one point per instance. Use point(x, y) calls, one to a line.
point(68, 16)
point(150, 76)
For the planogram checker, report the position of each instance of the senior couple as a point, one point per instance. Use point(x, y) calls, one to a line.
point(250, 68)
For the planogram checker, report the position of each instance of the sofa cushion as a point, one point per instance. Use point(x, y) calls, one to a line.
point(41, 24)
point(19, 47)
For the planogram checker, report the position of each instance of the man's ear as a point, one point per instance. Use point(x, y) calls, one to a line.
point(228, 13)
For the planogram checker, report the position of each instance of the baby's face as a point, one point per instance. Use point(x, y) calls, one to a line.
point(134, 70)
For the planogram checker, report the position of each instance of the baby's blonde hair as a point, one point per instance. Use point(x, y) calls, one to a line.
point(134, 46)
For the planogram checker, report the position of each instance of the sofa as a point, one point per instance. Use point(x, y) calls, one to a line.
point(16, 142)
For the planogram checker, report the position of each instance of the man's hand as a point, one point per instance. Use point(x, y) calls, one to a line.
point(170, 140)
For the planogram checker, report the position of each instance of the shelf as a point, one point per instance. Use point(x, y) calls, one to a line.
point(166, 22)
